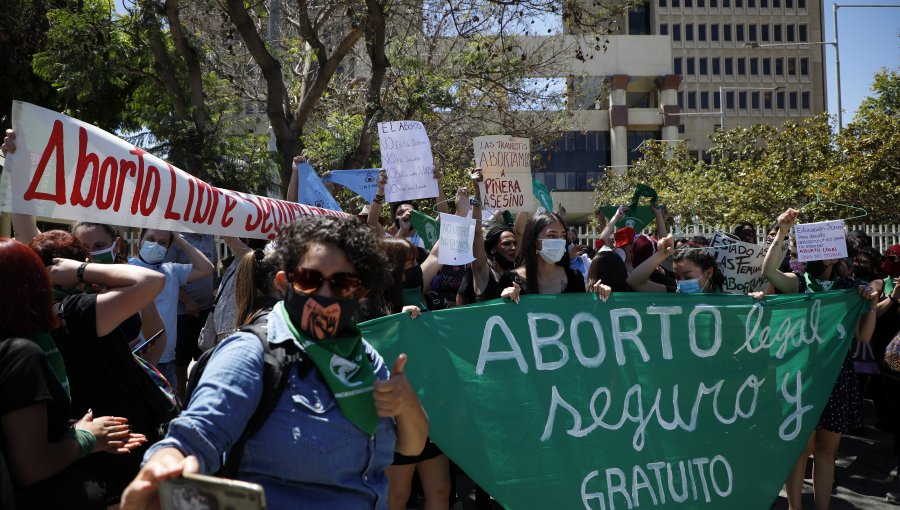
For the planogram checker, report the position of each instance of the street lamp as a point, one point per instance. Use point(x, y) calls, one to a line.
point(837, 55)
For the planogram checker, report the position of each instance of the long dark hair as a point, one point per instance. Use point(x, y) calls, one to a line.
point(492, 238)
point(253, 284)
point(397, 251)
point(609, 268)
point(704, 260)
point(527, 255)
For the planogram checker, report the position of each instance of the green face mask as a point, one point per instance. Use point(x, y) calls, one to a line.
point(104, 256)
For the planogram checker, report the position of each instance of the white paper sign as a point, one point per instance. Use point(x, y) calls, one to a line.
point(406, 157)
point(67, 169)
point(824, 240)
point(457, 238)
point(506, 164)
point(741, 263)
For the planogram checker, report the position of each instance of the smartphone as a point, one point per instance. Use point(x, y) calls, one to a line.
point(141, 345)
point(200, 492)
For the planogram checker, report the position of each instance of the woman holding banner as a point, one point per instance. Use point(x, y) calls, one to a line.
point(841, 413)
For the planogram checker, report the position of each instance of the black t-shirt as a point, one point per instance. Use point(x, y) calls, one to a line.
point(574, 283)
point(492, 290)
point(26, 380)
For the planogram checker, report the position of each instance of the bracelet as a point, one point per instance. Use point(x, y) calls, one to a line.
point(80, 272)
point(84, 439)
point(379, 199)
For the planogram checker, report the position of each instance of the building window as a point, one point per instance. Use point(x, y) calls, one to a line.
point(704, 100)
point(776, 4)
point(716, 66)
point(751, 33)
point(571, 163)
point(726, 4)
point(767, 100)
point(767, 66)
point(739, 32)
point(717, 100)
point(676, 4)
point(751, 4)
point(804, 67)
point(729, 100)
point(779, 66)
point(777, 29)
point(714, 32)
point(779, 100)
point(790, 33)
point(639, 22)
point(688, 4)
point(793, 100)
point(677, 65)
point(742, 66)
point(754, 100)
point(688, 32)
point(764, 29)
point(713, 4)
point(738, 4)
point(764, 4)
point(792, 66)
point(701, 3)
point(801, 4)
point(692, 100)
point(788, 4)
point(662, 3)
point(803, 33)
point(690, 66)
point(680, 99)
point(729, 65)
point(726, 32)
point(681, 129)
point(754, 66)
point(704, 66)
point(701, 32)
point(804, 100)
point(742, 100)
point(676, 32)
point(663, 29)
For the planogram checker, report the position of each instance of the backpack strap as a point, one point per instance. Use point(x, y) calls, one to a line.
point(277, 361)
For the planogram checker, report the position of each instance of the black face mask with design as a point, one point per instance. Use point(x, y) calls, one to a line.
point(319, 317)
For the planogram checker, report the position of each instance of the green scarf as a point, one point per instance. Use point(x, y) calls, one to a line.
point(343, 363)
point(816, 285)
point(54, 358)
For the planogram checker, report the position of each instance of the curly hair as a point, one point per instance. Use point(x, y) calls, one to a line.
point(59, 244)
point(22, 272)
point(492, 238)
point(358, 242)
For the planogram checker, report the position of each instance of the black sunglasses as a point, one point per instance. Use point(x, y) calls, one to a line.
point(308, 281)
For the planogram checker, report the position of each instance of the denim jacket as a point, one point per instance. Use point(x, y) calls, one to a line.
point(306, 454)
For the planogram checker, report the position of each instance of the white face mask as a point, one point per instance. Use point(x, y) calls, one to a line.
point(552, 250)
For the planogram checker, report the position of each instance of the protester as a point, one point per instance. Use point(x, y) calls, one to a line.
point(195, 300)
point(153, 247)
point(695, 270)
point(255, 292)
point(317, 448)
point(841, 413)
point(859, 237)
point(608, 268)
point(401, 212)
point(746, 232)
point(47, 457)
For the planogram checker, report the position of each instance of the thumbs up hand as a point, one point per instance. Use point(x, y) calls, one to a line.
point(395, 396)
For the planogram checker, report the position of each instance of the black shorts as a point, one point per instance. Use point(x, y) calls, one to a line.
point(189, 328)
point(431, 451)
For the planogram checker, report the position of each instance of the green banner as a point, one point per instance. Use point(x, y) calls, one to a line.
point(654, 400)
point(427, 228)
point(542, 194)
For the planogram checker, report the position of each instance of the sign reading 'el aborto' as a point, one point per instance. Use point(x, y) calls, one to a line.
point(741, 263)
point(506, 163)
point(67, 169)
point(820, 241)
point(645, 401)
point(406, 157)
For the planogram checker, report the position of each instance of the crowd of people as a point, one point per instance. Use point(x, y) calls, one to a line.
point(98, 406)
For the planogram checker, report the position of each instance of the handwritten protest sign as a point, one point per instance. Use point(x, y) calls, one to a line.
point(67, 169)
point(362, 182)
point(506, 162)
point(741, 263)
point(311, 191)
point(406, 157)
point(644, 401)
point(820, 241)
point(457, 236)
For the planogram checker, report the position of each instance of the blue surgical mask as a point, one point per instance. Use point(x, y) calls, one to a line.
point(152, 253)
point(552, 250)
point(691, 286)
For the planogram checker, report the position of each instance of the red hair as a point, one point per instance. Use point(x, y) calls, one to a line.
point(59, 244)
point(22, 274)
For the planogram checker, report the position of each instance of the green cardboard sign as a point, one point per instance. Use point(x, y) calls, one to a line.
point(427, 228)
point(542, 194)
point(647, 400)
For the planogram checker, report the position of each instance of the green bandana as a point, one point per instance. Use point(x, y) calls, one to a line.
point(816, 285)
point(343, 363)
point(54, 358)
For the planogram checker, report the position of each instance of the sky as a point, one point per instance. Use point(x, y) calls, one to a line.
point(868, 39)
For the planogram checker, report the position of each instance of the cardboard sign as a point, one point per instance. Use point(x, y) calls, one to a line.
point(67, 169)
point(824, 240)
point(457, 237)
point(506, 162)
point(406, 157)
point(741, 263)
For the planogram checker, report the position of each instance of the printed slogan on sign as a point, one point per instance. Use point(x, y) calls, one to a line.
point(643, 401)
point(506, 162)
point(67, 169)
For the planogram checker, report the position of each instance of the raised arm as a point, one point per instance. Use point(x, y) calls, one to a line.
point(480, 273)
point(786, 283)
point(292, 190)
point(130, 288)
point(866, 325)
point(610, 228)
point(441, 205)
point(151, 322)
point(236, 246)
point(24, 225)
point(639, 278)
point(375, 208)
point(202, 267)
point(519, 225)
point(660, 214)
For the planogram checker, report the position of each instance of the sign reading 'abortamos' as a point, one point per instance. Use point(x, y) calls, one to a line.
point(506, 164)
